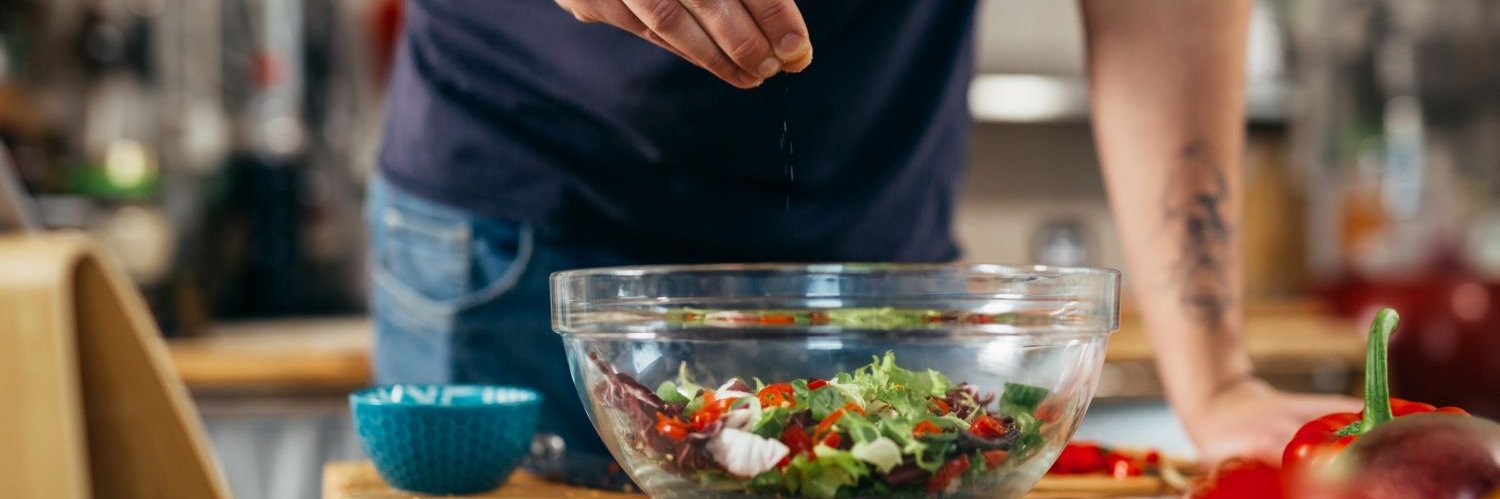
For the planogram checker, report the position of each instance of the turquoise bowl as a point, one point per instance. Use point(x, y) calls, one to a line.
point(445, 439)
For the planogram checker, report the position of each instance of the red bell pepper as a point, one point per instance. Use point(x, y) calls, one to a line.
point(1318, 441)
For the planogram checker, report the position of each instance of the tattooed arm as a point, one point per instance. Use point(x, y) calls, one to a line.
point(1168, 82)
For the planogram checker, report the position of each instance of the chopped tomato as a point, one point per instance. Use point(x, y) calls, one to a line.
point(995, 458)
point(777, 395)
point(925, 428)
point(987, 427)
point(833, 440)
point(941, 407)
point(1153, 457)
point(795, 438)
point(816, 384)
point(670, 428)
point(945, 474)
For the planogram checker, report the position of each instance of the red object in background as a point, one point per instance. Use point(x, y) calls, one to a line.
point(1079, 458)
point(1448, 350)
point(1242, 479)
point(1082, 458)
point(385, 31)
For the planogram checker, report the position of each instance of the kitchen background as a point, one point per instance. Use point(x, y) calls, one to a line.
point(218, 150)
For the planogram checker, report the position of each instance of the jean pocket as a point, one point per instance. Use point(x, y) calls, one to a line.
point(431, 263)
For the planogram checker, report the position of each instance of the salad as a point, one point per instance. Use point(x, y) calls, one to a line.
point(877, 430)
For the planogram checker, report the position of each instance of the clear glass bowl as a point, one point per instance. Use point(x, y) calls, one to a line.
point(627, 330)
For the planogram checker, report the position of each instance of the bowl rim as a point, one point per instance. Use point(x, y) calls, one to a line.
point(841, 267)
point(370, 396)
point(1099, 289)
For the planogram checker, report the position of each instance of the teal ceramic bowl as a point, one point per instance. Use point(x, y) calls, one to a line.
point(445, 439)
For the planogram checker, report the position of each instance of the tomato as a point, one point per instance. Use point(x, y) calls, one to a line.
point(945, 474)
point(816, 384)
point(670, 428)
point(833, 440)
point(777, 395)
point(987, 427)
point(925, 428)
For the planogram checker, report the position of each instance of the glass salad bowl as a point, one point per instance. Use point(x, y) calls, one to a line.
point(836, 380)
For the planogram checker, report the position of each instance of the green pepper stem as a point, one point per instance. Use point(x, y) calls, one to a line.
point(1377, 388)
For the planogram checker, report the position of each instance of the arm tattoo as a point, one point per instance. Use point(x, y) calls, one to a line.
point(1196, 195)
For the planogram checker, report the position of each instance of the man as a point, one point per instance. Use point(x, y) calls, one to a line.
point(521, 141)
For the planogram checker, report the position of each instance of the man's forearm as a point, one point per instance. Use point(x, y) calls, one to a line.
point(1168, 85)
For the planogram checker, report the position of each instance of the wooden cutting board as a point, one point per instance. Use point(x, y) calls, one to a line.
point(358, 480)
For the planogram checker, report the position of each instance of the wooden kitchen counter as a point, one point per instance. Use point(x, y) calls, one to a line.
point(358, 480)
point(277, 356)
point(332, 354)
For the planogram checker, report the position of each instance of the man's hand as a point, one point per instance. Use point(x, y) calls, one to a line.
point(1251, 419)
point(743, 42)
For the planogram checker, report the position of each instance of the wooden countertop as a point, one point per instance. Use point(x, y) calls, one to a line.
point(283, 355)
point(358, 480)
point(332, 354)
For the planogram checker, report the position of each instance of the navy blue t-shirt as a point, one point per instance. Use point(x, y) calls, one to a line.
point(514, 109)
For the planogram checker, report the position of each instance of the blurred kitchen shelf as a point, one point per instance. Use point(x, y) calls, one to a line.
point(1028, 98)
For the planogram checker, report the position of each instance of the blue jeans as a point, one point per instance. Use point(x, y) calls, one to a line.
point(461, 298)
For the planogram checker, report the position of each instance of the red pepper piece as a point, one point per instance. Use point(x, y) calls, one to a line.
point(1318, 441)
point(816, 384)
point(995, 458)
point(925, 428)
point(833, 440)
point(945, 474)
point(670, 428)
point(941, 407)
point(778, 319)
point(713, 409)
point(987, 427)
